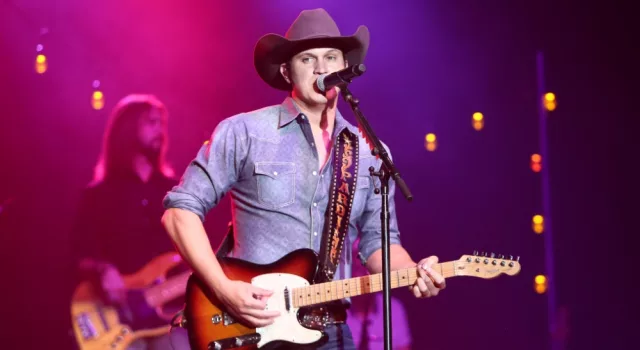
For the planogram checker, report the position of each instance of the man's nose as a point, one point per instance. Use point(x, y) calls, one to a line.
point(321, 67)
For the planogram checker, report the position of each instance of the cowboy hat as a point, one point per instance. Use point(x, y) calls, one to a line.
point(311, 29)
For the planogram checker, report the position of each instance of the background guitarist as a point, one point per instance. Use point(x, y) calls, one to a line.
point(277, 164)
point(117, 228)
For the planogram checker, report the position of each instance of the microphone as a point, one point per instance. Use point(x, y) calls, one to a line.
point(327, 81)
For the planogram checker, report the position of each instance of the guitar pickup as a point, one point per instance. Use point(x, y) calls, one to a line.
point(86, 327)
point(287, 302)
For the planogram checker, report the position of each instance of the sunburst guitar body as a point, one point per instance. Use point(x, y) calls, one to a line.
point(211, 327)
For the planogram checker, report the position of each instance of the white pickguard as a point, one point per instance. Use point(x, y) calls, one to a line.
point(286, 326)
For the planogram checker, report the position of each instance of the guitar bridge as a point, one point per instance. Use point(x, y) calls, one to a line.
point(234, 342)
point(225, 318)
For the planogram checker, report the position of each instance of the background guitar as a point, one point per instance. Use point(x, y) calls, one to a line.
point(153, 298)
point(209, 324)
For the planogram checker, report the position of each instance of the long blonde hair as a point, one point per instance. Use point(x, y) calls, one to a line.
point(120, 140)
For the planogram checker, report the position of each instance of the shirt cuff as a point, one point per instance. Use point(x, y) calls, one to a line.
point(186, 201)
point(370, 245)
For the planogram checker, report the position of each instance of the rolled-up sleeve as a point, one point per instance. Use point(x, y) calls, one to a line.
point(214, 170)
point(369, 222)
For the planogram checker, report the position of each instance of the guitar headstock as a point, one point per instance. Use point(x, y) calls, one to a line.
point(485, 265)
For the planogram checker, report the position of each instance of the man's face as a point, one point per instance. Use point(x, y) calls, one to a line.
point(151, 131)
point(304, 69)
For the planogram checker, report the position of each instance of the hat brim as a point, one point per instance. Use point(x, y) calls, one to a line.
point(272, 50)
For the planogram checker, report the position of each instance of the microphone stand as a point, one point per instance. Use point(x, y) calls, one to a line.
point(387, 171)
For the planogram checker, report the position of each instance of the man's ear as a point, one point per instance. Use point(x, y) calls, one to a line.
point(285, 72)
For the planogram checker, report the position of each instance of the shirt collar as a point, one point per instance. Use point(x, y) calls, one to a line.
point(340, 124)
point(289, 111)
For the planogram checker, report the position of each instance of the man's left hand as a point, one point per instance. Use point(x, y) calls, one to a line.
point(430, 282)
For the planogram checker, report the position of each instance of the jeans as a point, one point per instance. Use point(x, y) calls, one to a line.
point(338, 338)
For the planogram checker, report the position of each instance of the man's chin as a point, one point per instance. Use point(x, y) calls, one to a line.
point(332, 94)
point(323, 99)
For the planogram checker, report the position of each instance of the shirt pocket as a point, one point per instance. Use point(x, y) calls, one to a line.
point(361, 194)
point(276, 182)
point(364, 181)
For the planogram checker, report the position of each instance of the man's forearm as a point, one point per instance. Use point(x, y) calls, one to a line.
point(191, 241)
point(399, 259)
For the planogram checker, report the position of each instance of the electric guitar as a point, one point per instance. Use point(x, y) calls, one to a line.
point(211, 327)
point(98, 325)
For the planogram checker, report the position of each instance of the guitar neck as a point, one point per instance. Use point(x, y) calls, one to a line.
point(168, 290)
point(336, 290)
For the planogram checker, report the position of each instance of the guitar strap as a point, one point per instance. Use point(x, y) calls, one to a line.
point(342, 190)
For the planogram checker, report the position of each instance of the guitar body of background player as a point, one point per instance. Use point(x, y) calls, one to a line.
point(117, 229)
point(366, 317)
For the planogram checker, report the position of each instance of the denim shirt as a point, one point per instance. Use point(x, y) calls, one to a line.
point(266, 159)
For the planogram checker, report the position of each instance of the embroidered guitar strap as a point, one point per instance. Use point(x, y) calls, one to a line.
point(343, 187)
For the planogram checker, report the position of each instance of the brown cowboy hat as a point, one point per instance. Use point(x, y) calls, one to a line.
point(312, 28)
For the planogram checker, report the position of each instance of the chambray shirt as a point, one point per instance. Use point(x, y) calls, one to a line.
point(267, 161)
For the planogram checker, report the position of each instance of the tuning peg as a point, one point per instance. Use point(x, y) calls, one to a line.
point(500, 256)
point(510, 257)
point(493, 255)
point(518, 259)
point(486, 254)
point(475, 253)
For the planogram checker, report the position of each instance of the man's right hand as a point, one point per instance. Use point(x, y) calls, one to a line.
point(244, 301)
point(247, 302)
point(112, 284)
